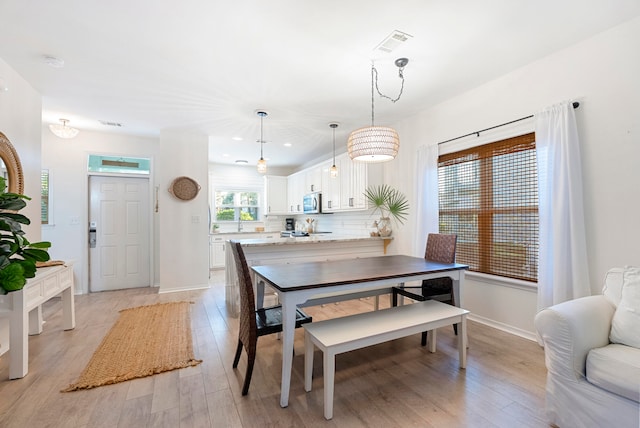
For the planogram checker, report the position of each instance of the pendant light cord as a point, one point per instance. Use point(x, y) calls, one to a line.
point(334, 126)
point(374, 71)
point(400, 63)
point(261, 139)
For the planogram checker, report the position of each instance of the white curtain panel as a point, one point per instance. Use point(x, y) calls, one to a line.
point(426, 197)
point(562, 259)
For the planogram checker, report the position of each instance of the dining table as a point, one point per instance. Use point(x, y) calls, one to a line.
point(312, 283)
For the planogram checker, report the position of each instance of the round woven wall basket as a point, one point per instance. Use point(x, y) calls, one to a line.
point(184, 188)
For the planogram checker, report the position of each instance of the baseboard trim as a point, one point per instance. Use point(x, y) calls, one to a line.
point(503, 327)
point(177, 289)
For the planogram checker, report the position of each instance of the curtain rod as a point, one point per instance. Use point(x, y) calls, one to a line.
point(477, 133)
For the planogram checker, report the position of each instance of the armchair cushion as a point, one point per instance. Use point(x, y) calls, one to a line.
point(615, 368)
point(625, 326)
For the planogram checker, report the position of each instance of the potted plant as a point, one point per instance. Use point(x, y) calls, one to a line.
point(18, 256)
point(389, 202)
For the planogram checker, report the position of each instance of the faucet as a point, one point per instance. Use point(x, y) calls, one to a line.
point(239, 224)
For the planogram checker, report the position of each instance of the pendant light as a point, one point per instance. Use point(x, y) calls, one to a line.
point(262, 164)
point(376, 143)
point(334, 168)
point(63, 131)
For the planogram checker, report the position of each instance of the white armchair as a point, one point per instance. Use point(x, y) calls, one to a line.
point(590, 381)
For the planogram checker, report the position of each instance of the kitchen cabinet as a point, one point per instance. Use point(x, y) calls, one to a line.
point(216, 251)
point(313, 179)
point(217, 247)
point(353, 184)
point(346, 191)
point(331, 188)
point(275, 190)
point(295, 192)
point(343, 193)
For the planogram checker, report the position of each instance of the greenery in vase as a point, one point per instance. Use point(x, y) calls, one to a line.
point(18, 256)
point(389, 201)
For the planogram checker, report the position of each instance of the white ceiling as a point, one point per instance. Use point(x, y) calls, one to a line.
point(206, 66)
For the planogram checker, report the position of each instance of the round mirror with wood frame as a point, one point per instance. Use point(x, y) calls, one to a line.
point(15, 177)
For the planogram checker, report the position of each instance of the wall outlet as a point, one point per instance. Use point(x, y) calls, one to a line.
point(74, 220)
point(195, 219)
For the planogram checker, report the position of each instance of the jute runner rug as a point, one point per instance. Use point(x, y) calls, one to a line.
point(144, 341)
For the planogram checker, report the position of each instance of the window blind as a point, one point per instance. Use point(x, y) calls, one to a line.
point(488, 196)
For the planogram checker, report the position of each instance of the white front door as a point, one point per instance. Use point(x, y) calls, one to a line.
point(119, 223)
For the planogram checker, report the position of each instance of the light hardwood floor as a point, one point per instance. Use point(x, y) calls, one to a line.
point(396, 384)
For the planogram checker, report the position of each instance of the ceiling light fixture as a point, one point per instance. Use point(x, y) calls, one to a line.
point(376, 143)
point(334, 168)
point(63, 131)
point(54, 62)
point(262, 164)
point(242, 161)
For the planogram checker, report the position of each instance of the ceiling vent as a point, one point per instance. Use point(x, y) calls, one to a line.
point(392, 41)
point(106, 123)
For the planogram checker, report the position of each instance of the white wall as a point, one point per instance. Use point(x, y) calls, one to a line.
point(20, 121)
point(183, 225)
point(602, 74)
point(67, 164)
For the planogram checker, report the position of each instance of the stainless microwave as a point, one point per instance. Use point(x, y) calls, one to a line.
point(312, 203)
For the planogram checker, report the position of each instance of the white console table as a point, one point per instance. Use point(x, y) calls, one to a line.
point(23, 308)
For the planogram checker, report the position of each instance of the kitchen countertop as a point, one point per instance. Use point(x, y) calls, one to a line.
point(244, 232)
point(313, 239)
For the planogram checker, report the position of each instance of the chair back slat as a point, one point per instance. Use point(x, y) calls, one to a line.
point(248, 327)
point(441, 248)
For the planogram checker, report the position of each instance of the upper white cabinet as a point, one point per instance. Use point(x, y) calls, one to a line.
point(295, 192)
point(353, 183)
point(275, 189)
point(342, 193)
point(330, 189)
point(346, 191)
point(313, 179)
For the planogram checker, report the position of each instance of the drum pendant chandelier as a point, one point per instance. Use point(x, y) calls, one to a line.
point(376, 143)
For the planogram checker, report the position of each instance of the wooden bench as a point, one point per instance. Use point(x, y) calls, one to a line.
point(338, 335)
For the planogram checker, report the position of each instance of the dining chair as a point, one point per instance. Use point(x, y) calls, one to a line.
point(440, 248)
point(254, 323)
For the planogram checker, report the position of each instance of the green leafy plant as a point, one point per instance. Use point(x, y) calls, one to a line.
point(18, 256)
point(388, 201)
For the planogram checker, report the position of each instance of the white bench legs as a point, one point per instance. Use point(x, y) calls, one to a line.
point(338, 335)
point(329, 363)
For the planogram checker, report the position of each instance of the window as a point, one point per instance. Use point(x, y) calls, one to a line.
point(119, 165)
point(45, 204)
point(233, 205)
point(489, 197)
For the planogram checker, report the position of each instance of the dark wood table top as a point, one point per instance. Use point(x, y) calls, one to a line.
point(299, 276)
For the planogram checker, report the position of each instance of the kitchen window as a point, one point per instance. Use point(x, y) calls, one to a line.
point(237, 205)
point(488, 196)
